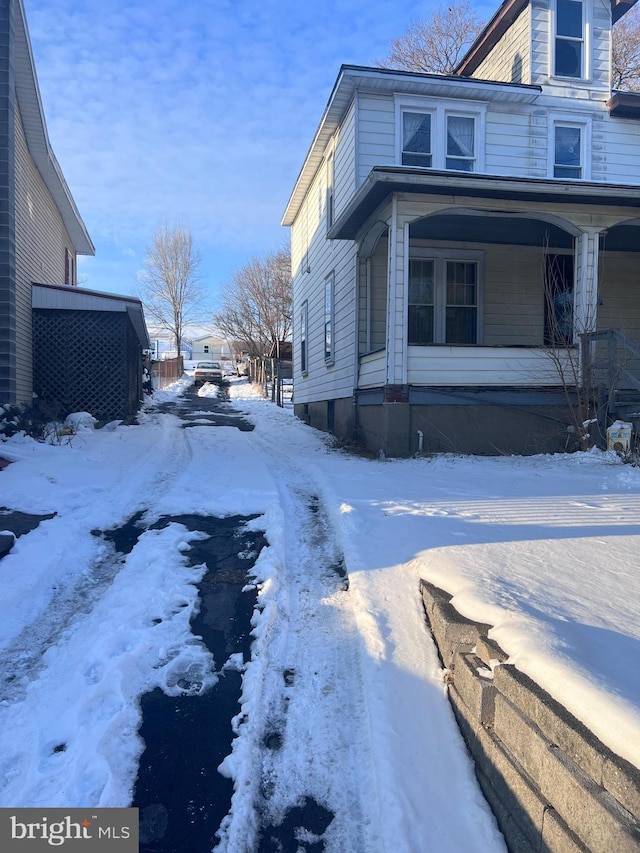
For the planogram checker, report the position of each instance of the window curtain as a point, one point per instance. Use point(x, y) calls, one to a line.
point(460, 136)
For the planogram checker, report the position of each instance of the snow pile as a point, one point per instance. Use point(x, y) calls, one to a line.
point(543, 548)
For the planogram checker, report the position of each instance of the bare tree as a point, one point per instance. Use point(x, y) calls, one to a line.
point(437, 43)
point(171, 284)
point(256, 304)
point(625, 52)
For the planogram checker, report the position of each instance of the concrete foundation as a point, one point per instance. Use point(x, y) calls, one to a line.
point(490, 422)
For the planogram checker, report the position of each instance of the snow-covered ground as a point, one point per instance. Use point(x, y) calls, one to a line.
point(544, 548)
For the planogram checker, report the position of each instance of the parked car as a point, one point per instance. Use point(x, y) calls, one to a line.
point(207, 371)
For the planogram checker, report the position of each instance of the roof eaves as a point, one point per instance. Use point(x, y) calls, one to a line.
point(30, 102)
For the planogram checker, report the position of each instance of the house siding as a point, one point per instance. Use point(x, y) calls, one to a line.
point(344, 161)
point(41, 239)
point(509, 59)
point(8, 341)
point(376, 133)
point(312, 251)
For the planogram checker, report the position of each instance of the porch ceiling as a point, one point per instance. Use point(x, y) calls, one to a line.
point(384, 181)
point(510, 231)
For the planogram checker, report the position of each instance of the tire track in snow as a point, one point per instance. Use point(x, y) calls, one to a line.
point(310, 741)
point(75, 594)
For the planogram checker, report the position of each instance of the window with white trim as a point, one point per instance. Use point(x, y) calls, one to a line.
point(304, 320)
point(444, 298)
point(329, 196)
point(568, 153)
point(446, 136)
point(328, 319)
point(569, 55)
point(461, 147)
point(416, 139)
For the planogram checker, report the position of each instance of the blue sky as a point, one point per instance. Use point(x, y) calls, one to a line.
point(198, 111)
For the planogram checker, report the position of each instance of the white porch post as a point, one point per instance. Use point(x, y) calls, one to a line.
point(585, 311)
point(396, 304)
point(585, 315)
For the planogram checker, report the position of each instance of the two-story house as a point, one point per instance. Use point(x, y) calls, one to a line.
point(455, 237)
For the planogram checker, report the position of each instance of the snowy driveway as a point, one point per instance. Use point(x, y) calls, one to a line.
point(343, 702)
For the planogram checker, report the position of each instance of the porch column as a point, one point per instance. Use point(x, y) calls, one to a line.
point(585, 314)
point(397, 301)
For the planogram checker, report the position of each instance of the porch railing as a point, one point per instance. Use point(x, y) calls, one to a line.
point(610, 359)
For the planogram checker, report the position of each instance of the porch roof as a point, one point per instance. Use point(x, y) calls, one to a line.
point(383, 181)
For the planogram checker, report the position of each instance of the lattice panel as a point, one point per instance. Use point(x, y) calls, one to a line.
point(83, 360)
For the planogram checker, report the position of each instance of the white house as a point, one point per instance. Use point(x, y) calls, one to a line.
point(212, 346)
point(454, 238)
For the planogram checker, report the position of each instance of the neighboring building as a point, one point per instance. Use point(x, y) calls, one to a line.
point(213, 347)
point(452, 234)
point(41, 232)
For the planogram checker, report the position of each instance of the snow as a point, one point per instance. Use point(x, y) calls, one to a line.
point(544, 548)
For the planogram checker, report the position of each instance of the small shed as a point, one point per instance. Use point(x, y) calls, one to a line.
point(88, 350)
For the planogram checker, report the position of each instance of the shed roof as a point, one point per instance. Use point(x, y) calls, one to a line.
point(67, 297)
point(30, 103)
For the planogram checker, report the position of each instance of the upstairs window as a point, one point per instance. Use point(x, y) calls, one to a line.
point(330, 182)
point(567, 152)
point(443, 135)
point(569, 48)
point(461, 143)
point(328, 319)
point(303, 338)
point(416, 139)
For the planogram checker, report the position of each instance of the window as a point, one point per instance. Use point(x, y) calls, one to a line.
point(205, 348)
point(443, 303)
point(421, 302)
point(328, 319)
point(445, 134)
point(461, 313)
point(569, 52)
point(69, 277)
point(558, 300)
point(460, 143)
point(567, 162)
point(416, 139)
point(303, 337)
point(330, 179)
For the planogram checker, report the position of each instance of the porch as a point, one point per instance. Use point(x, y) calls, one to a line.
point(481, 298)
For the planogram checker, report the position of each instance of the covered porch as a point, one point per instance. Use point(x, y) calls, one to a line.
point(476, 294)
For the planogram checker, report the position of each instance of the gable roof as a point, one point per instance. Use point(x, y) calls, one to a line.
point(500, 23)
point(30, 103)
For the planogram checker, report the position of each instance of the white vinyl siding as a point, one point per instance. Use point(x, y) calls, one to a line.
point(41, 240)
point(540, 41)
point(372, 371)
point(493, 366)
point(344, 162)
point(376, 133)
point(313, 256)
point(509, 60)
